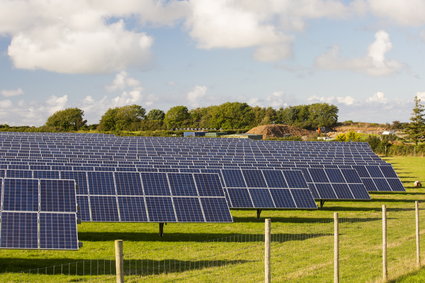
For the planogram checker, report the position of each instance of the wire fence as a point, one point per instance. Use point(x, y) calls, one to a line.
point(302, 250)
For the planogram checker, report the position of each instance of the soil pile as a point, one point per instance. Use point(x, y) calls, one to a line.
point(278, 131)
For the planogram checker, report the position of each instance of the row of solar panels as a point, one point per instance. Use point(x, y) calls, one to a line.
point(374, 177)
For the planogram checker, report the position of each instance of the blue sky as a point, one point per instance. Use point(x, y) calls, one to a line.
point(365, 56)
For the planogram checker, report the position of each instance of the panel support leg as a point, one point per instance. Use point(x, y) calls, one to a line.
point(259, 213)
point(161, 229)
point(322, 203)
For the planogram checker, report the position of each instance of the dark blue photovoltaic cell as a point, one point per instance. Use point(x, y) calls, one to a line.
point(239, 198)
point(128, 183)
point(182, 185)
point(188, 210)
point(275, 179)
point(342, 191)
point(46, 174)
point(160, 209)
point(19, 174)
point(351, 176)
point(261, 198)
point(2, 173)
point(369, 184)
point(216, 210)
point(104, 209)
point(396, 185)
point(318, 175)
point(303, 198)
point(306, 174)
point(362, 171)
point(132, 209)
point(374, 171)
point(155, 184)
point(313, 191)
point(359, 191)
point(335, 175)
point(326, 191)
point(233, 179)
point(388, 171)
point(58, 195)
point(83, 212)
point(101, 183)
point(254, 179)
point(208, 185)
point(58, 231)
point(382, 184)
point(20, 195)
point(295, 179)
point(283, 198)
point(79, 177)
point(19, 230)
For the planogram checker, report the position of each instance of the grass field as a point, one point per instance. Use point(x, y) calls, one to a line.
point(302, 248)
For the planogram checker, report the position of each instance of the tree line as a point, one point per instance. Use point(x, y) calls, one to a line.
point(230, 115)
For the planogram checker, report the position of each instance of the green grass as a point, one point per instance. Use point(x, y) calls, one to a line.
point(302, 247)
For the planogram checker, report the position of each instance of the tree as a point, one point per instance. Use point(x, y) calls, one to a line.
point(416, 128)
point(70, 119)
point(122, 118)
point(155, 114)
point(232, 115)
point(177, 117)
point(323, 115)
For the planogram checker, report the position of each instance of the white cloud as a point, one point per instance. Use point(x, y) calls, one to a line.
point(378, 97)
point(373, 64)
point(31, 113)
point(276, 100)
point(402, 12)
point(128, 91)
point(12, 92)
point(342, 100)
point(75, 36)
point(122, 81)
point(195, 95)
point(263, 25)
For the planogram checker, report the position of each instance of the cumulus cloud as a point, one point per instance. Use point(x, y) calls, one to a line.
point(374, 63)
point(406, 13)
point(344, 100)
point(195, 95)
point(276, 99)
point(12, 92)
point(378, 97)
point(33, 113)
point(261, 25)
point(77, 36)
point(125, 90)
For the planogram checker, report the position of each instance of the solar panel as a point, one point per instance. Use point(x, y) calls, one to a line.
point(38, 214)
point(155, 197)
point(267, 189)
point(335, 184)
point(379, 178)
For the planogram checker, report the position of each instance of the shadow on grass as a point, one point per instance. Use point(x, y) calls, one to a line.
point(407, 193)
point(92, 267)
point(303, 219)
point(191, 237)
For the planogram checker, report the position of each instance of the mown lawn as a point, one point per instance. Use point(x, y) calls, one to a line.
point(302, 248)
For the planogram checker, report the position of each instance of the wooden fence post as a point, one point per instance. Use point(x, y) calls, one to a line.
point(336, 248)
point(267, 234)
point(384, 243)
point(418, 235)
point(119, 261)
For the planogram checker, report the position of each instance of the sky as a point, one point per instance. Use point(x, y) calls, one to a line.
point(365, 56)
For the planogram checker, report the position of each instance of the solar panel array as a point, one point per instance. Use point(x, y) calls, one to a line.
point(111, 171)
point(38, 214)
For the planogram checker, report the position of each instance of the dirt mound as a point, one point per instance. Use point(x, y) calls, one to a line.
point(278, 131)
